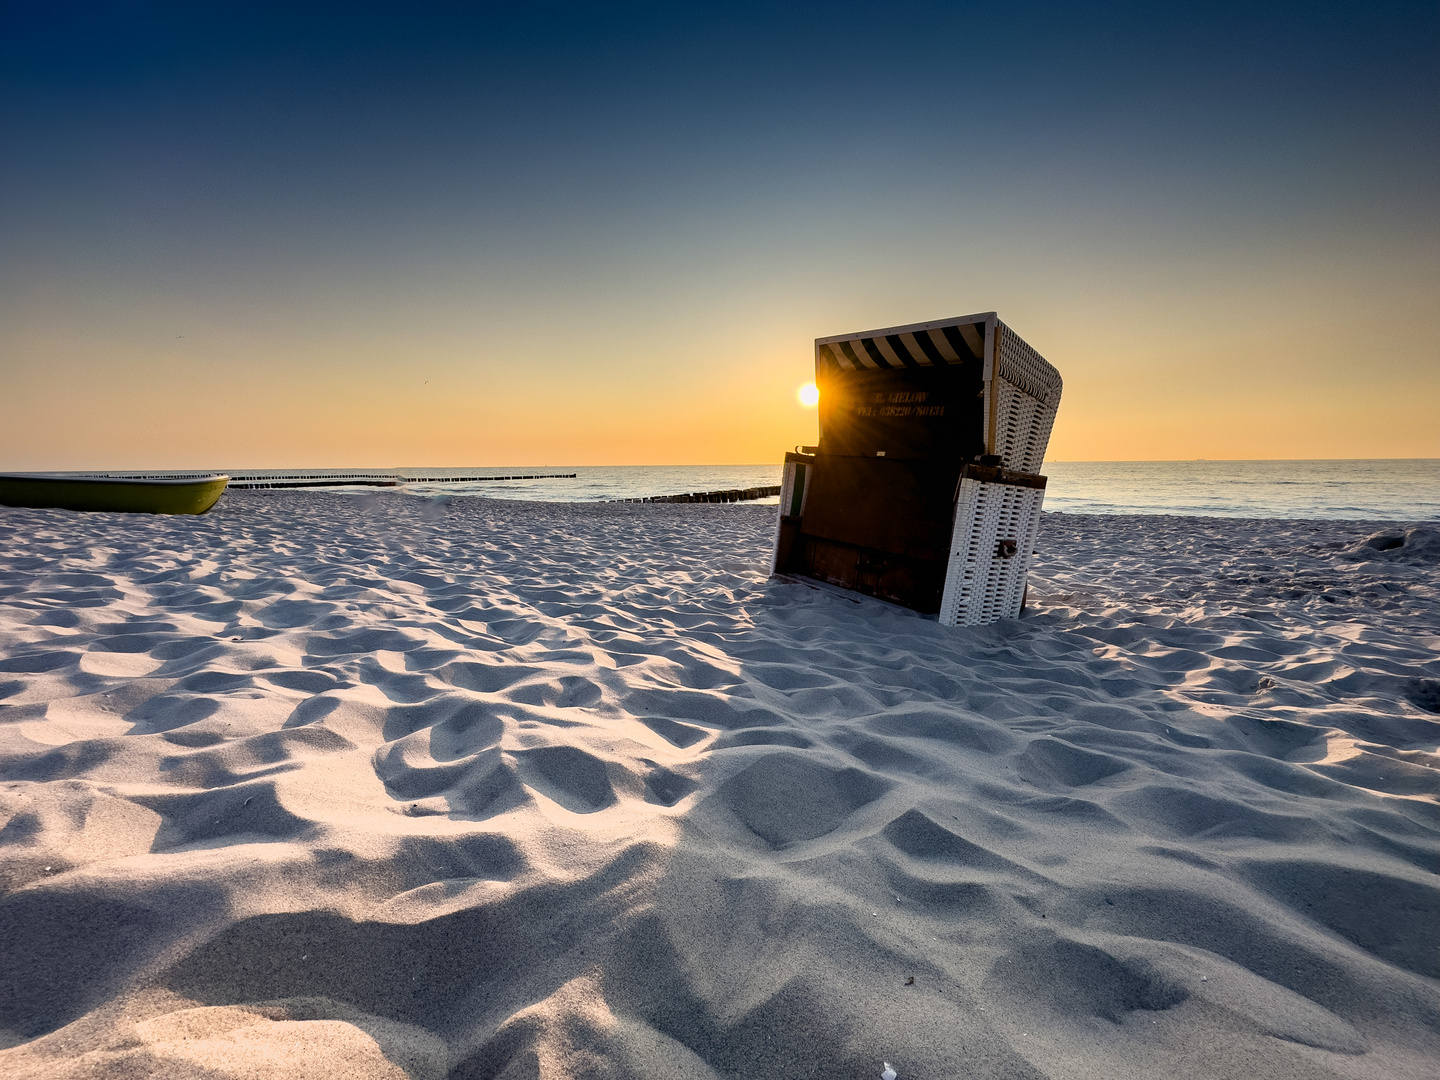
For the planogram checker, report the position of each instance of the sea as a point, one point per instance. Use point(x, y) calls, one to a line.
point(1365, 490)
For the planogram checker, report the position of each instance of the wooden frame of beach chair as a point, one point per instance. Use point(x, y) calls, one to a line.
point(924, 489)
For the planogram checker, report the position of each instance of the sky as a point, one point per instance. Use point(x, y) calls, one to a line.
point(387, 235)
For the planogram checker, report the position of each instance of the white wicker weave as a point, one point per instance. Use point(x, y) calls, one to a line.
point(981, 584)
point(1027, 393)
point(1022, 394)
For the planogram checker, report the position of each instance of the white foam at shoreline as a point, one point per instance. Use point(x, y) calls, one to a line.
point(380, 786)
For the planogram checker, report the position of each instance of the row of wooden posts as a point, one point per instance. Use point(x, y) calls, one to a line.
point(375, 480)
point(728, 496)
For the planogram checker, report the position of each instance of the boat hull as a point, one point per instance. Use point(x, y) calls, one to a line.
point(113, 495)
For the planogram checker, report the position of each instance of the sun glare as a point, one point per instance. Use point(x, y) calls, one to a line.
point(809, 395)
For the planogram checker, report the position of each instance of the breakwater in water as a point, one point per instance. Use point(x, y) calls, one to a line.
point(727, 496)
point(373, 480)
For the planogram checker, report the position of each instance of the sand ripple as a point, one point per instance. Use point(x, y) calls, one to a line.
point(328, 785)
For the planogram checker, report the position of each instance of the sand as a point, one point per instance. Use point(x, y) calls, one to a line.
point(333, 786)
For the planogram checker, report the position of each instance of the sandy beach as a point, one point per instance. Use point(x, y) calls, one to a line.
point(325, 785)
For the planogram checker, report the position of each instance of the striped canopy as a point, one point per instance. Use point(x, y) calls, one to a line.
point(928, 345)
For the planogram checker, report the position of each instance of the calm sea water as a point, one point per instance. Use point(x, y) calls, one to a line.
point(1387, 490)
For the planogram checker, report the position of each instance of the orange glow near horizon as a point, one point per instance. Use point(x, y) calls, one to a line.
point(384, 374)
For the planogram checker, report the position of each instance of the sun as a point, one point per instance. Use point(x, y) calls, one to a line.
point(809, 395)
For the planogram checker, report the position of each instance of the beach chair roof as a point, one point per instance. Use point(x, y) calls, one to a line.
point(943, 343)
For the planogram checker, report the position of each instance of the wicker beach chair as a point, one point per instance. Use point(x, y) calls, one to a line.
point(924, 489)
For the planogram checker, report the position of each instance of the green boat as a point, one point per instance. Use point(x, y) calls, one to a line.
point(115, 494)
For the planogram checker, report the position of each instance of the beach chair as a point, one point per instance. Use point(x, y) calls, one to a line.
point(925, 488)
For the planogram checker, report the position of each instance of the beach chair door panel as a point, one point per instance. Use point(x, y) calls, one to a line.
point(879, 526)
